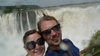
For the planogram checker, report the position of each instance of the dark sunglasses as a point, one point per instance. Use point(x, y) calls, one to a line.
point(48, 31)
point(32, 44)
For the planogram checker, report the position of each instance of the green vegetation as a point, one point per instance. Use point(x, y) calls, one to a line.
point(8, 9)
point(94, 47)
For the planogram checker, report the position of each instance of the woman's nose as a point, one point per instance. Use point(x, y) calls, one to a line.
point(36, 47)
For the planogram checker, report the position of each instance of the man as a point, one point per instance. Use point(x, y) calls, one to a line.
point(33, 43)
point(51, 32)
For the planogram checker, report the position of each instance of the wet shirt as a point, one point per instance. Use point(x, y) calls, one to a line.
point(73, 51)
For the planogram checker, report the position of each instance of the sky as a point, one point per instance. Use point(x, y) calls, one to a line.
point(42, 3)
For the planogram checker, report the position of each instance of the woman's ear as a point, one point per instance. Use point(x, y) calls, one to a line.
point(26, 48)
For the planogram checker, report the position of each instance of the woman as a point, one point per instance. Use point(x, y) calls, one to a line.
point(33, 43)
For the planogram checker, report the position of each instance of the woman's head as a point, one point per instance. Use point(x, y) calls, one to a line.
point(33, 43)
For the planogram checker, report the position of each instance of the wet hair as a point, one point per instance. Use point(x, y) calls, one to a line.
point(29, 33)
point(45, 18)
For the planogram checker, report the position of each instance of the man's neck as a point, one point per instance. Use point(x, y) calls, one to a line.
point(54, 47)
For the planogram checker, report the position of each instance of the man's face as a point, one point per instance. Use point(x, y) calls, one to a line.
point(38, 49)
point(51, 32)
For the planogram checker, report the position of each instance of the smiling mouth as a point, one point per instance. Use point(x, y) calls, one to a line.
point(55, 39)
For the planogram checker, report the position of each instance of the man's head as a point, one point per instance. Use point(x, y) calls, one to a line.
point(50, 30)
point(33, 43)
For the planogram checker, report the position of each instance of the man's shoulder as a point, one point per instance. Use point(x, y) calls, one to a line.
point(69, 42)
point(66, 40)
point(50, 52)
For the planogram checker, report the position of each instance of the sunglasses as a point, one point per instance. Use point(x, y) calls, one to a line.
point(32, 44)
point(48, 31)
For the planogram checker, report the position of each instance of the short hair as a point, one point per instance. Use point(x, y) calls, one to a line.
point(45, 18)
point(29, 33)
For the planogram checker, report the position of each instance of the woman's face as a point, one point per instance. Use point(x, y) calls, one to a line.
point(39, 48)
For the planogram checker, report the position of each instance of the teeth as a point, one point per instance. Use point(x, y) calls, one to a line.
point(55, 38)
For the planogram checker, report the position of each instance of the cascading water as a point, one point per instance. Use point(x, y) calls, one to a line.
point(10, 41)
point(78, 24)
point(12, 28)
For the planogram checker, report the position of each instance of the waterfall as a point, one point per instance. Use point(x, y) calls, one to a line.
point(12, 28)
point(78, 23)
point(28, 23)
point(21, 23)
point(10, 40)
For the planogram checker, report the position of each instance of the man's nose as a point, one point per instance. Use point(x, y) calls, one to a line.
point(53, 32)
